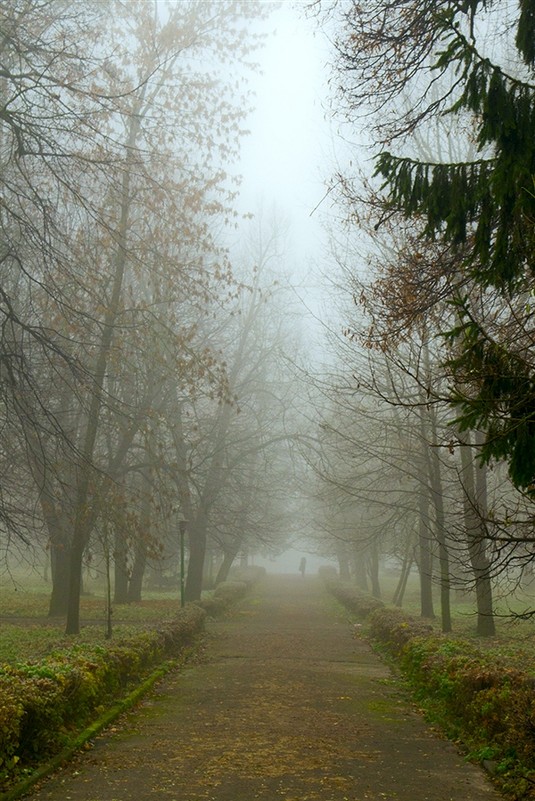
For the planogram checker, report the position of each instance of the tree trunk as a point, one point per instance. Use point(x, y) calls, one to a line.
point(76, 555)
point(228, 559)
point(216, 475)
point(432, 454)
point(425, 526)
point(59, 563)
point(408, 559)
point(343, 560)
point(373, 566)
point(135, 585)
point(120, 595)
point(208, 572)
point(443, 554)
point(475, 537)
point(197, 552)
point(425, 557)
point(85, 516)
point(361, 575)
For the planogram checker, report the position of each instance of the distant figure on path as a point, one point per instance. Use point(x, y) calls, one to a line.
point(302, 566)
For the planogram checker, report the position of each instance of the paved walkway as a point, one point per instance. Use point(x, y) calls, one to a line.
point(285, 704)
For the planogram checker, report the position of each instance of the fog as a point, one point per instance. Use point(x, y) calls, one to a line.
point(231, 334)
point(283, 159)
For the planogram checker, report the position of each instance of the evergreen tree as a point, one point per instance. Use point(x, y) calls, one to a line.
point(483, 208)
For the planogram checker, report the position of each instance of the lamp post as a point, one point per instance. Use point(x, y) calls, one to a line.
point(182, 523)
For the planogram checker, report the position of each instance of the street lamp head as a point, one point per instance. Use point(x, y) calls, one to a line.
point(182, 522)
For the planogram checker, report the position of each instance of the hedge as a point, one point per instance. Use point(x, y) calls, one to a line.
point(228, 592)
point(44, 704)
point(478, 697)
point(359, 603)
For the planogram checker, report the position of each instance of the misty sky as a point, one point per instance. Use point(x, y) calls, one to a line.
point(284, 159)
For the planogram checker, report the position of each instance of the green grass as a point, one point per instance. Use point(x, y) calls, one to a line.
point(26, 633)
point(463, 612)
point(33, 642)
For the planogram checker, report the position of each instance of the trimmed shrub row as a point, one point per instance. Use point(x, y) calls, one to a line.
point(43, 704)
point(359, 603)
point(478, 697)
point(228, 592)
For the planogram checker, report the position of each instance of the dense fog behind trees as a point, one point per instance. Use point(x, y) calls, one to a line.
point(158, 364)
point(429, 433)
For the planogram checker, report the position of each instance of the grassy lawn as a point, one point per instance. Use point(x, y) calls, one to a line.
point(36, 635)
point(514, 643)
point(463, 610)
point(27, 634)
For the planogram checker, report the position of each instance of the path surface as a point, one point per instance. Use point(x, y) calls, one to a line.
point(286, 704)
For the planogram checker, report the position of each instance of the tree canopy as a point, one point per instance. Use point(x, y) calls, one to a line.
point(482, 207)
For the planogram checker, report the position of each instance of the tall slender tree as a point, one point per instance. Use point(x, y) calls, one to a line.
point(116, 138)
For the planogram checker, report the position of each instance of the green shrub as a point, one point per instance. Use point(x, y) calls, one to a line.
point(11, 713)
point(359, 603)
point(225, 594)
point(230, 590)
point(43, 703)
point(477, 696)
point(393, 629)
